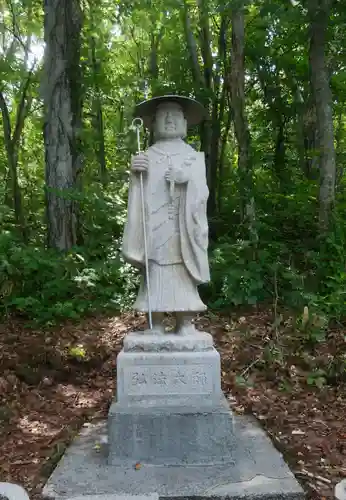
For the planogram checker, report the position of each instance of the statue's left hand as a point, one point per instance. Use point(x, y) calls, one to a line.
point(176, 175)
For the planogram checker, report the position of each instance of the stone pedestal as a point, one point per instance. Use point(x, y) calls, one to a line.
point(169, 409)
point(171, 417)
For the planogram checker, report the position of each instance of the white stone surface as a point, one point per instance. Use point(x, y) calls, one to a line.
point(340, 490)
point(176, 193)
point(257, 472)
point(13, 491)
point(197, 341)
point(154, 496)
point(168, 375)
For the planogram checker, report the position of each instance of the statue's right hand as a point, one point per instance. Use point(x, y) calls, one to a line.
point(140, 163)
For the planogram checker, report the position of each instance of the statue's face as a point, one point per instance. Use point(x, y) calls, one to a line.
point(170, 122)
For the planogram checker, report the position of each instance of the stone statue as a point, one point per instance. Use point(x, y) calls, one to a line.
point(175, 194)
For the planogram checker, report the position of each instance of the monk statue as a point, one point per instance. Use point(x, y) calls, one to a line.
point(175, 200)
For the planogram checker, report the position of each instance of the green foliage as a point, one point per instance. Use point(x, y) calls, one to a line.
point(237, 279)
point(290, 266)
point(317, 378)
point(49, 286)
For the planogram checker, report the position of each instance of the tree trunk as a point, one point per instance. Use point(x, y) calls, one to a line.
point(15, 198)
point(99, 145)
point(153, 67)
point(202, 92)
point(221, 179)
point(155, 39)
point(12, 145)
point(13, 133)
point(223, 116)
point(62, 99)
point(210, 132)
point(270, 84)
point(279, 162)
point(309, 136)
point(241, 128)
point(209, 88)
point(319, 12)
point(339, 133)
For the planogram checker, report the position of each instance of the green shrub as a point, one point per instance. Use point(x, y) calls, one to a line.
point(292, 270)
point(46, 285)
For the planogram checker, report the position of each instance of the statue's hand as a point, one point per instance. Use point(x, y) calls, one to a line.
point(177, 175)
point(140, 163)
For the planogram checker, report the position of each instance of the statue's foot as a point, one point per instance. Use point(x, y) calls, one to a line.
point(158, 328)
point(184, 324)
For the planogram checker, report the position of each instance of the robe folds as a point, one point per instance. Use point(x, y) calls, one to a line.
point(176, 229)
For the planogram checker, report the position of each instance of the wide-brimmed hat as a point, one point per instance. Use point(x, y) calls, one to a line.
point(193, 110)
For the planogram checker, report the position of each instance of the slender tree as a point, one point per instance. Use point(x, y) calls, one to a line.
point(319, 13)
point(241, 127)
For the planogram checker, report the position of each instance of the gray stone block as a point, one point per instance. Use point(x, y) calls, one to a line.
point(11, 491)
point(340, 490)
point(199, 341)
point(115, 497)
point(258, 472)
point(168, 376)
point(170, 408)
point(166, 435)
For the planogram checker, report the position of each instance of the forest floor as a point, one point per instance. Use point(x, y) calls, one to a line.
point(52, 380)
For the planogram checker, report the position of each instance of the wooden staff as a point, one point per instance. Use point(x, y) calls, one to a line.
point(138, 123)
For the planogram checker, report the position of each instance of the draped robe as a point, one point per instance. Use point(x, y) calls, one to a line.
point(176, 229)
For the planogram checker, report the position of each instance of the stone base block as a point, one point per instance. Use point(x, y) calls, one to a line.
point(137, 342)
point(168, 368)
point(169, 408)
point(257, 472)
point(166, 435)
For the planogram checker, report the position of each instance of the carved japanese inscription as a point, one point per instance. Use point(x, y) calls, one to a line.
point(161, 380)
